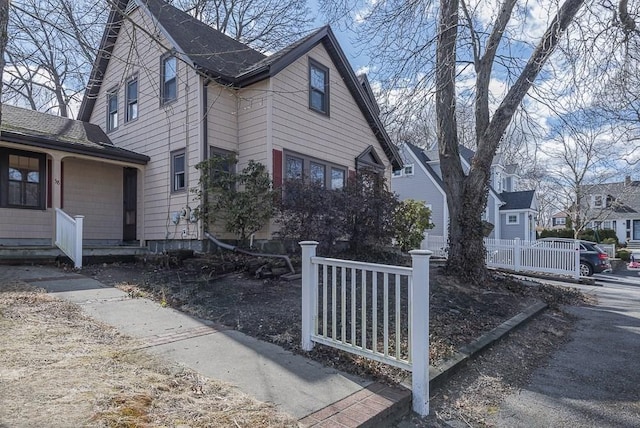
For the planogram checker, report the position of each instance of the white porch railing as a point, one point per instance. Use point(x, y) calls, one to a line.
point(520, 256)
point(69, 236)
point(378, 311)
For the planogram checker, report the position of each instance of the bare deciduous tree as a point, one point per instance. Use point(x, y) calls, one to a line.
point(580, 160)
point(479, 54)
point(265, 25)
point(4, 19)
point(50, 52)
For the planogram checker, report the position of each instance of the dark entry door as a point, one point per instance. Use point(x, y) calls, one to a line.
point(129, 204)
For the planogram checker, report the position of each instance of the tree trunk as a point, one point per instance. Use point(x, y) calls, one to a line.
point(467, 193)
point(4, 20)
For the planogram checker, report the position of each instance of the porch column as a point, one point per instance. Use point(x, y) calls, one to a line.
point(140, 208)
point(56, 191)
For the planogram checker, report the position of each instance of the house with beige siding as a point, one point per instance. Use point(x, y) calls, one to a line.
point(50, 163)
point(511, 211)
point(169, 87)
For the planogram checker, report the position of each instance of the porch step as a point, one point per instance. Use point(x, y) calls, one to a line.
point(633, 245)
point(48, 254)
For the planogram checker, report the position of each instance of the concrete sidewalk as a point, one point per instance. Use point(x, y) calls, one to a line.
point(303, 388)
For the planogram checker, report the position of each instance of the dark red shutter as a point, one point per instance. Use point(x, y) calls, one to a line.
point(277, 168)
point(352, 175)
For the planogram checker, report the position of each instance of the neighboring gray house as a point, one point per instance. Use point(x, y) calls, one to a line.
point(614, 206)
point(512, 212)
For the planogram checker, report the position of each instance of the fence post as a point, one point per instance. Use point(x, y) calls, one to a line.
point(576, 247)
point(78, 241)
point(420, 331)
point(517, 263)
point(309, 290)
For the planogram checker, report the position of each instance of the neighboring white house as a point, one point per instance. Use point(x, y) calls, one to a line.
point(613, 206)
point(512, 212)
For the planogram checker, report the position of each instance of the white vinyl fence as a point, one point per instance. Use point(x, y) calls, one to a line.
point(69, 236)
point(378, 311)
point(520, 256)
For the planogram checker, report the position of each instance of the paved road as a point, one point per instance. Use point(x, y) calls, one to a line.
point(594, 380)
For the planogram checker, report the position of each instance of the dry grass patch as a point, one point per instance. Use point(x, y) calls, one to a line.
point(59, 368)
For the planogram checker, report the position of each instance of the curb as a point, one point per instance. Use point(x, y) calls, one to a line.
point(380, 405)
point(443, 371)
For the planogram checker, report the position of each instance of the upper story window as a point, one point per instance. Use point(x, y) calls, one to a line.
point(22, 179)
point(112, 109)
point(318, 87)
point(178, 171)
point(408, 169)
point(597, 201)
point(396, 173)
point(132, 99)
point(169, 87)
point(557, 221)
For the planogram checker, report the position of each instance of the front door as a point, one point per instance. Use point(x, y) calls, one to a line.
point(636, 230)
point(130, 204)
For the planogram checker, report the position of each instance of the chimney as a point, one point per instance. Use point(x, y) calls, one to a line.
point(627, 180)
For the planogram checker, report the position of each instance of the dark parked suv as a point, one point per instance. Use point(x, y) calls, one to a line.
point(593, 259)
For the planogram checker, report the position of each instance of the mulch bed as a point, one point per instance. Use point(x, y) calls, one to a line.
point(269, 309)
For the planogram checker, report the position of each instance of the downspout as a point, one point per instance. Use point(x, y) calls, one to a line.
point(204, 226)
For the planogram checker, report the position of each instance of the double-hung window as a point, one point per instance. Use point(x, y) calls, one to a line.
point(112, 109)
point(318, 87)
point(22, 179)
point(169, 87)
point(178, 171)
point(132, 99)
point(338, 178)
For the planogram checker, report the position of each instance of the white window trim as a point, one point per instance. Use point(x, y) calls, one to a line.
point(128, 102)
point(510, 223)
point(396, 173)
point(175, 153)
point(408, 174)
point(113, 120)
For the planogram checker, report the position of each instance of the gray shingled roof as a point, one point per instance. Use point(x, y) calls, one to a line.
point(36, 129)
point(517, 200)
point(432, 155)
point(626, 196)
point(210, 50)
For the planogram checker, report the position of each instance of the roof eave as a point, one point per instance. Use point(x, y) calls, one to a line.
point(49, 143)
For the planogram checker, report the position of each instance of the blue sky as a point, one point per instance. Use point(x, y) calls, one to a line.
point(358, 58)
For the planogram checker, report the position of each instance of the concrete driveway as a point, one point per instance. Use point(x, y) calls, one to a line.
point(594, 380)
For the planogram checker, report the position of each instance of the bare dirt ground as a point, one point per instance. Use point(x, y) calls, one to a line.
point(269, 309)
point(59, 368)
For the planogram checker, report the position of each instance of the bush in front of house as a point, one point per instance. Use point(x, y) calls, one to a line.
point(623, 255)
point(412, 218)
point(242, 201)
point(309, 211)
point(361, 213)
point(557, 233)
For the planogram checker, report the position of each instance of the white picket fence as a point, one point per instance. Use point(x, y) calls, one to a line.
point(522, 256)
point(377, 311)
point(69, 235)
